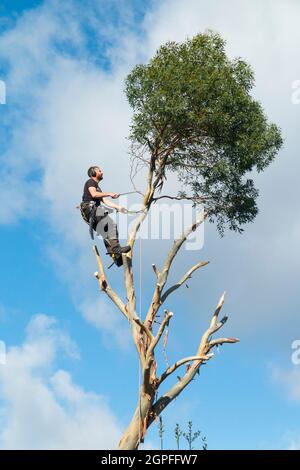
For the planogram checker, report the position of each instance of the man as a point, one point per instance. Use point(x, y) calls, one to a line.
point(96, 215)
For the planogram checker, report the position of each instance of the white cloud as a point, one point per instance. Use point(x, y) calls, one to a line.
point(36, 396)
point(107, 319)
point(289, 380)
point(294, 443)
point(73, 114)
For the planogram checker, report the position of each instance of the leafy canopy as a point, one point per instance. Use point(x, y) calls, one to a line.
point(193, 112)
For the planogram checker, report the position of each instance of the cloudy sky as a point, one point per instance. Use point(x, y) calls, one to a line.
point(71, 370)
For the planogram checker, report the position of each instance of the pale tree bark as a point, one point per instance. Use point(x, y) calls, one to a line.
point(145, 335)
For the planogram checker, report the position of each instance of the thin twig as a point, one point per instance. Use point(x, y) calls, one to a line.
point(187, 276)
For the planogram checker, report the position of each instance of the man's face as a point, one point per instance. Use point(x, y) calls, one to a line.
point(99, 173)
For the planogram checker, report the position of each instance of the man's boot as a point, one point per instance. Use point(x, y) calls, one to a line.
point(115, 250)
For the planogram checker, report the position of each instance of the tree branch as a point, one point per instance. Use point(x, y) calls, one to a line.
point(178, 364)
point(177, 245)
point(164, 323)
point(144, 328)
point(203, 351)
point(220, 341)
point(181, 198)
point(187, 276)
point(163, 276)
point(157, 273)
point(104, 285)
point(139, 341)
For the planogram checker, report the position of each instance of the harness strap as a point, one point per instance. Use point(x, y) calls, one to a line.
point(88, 213)
point(92, 221)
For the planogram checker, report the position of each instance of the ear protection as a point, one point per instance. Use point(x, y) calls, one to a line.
point(91, 171)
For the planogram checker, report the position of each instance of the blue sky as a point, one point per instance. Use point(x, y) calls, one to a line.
point(70, 361)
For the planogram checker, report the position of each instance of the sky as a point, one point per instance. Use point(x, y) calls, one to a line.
point(71, 370)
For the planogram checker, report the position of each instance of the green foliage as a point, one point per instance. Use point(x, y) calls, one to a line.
point(178, 434)
point(161, 430)
point(194, 114)
point(191, 436)
point(204, 443)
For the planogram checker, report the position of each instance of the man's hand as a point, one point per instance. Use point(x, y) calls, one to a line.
point(123, 210)
point(114, 195)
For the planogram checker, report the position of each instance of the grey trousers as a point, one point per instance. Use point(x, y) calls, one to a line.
point(106, 226)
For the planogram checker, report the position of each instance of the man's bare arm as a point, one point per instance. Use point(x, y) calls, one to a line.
point(111, 204)
point(97, 195)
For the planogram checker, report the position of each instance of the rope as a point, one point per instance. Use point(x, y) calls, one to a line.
point(130, 192)
point(133, 212)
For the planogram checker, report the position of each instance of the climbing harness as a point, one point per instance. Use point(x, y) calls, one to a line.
point(88, 213)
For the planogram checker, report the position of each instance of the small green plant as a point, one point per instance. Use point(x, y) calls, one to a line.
point(161, 430)
point(191, 436)
point(178, 434)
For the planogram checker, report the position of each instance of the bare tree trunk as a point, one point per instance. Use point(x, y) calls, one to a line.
point(135, 432)
point(150, 405)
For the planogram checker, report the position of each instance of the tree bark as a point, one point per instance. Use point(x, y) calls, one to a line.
point(136, 430)
point(150, 405)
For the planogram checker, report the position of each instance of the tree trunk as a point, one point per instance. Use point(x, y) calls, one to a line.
point(135, 432)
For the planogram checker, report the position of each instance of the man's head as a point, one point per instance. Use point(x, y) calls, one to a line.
point(95, 172)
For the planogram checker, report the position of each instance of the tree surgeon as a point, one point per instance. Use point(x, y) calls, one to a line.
point(96, 215)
